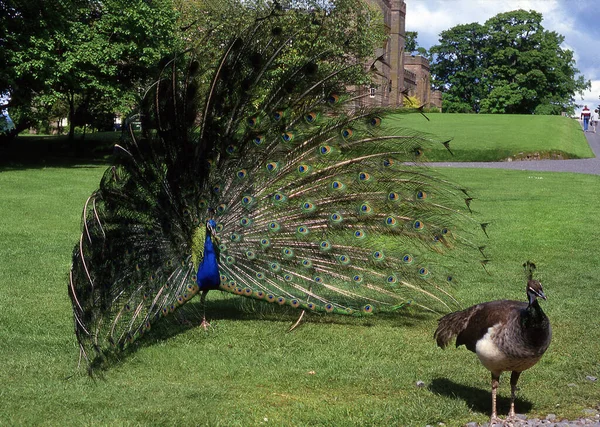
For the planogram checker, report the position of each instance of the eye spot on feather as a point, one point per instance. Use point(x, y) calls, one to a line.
point(272, 166)
point(277, 115)
point(390, 221)
point(304, 169)
point(279, 198)
point(378, 256)
point(336, 218)
point(347, 133)
point(252, 121)
point(368, 308)
point(302, 230)
point(325, 150)
point(311, 117)
point(364, 176)
point(287, 137)
point(333, 99)
point(325, 245)
point(360, 234)
point(375, 121)
point(288, 253)
point(365, 209)
point(344, 259)
point(329, 308)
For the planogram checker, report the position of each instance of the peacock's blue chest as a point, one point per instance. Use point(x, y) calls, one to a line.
point(208, 276)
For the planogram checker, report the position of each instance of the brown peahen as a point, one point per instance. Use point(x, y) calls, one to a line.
point(505, 335)
point(262, 173)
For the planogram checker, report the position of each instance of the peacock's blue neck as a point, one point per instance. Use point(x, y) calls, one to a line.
point(208, 276)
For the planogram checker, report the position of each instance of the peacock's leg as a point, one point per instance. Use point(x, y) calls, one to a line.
point(513, 389)
point(204, 323)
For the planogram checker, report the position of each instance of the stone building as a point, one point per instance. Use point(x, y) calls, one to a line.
point(398, 72)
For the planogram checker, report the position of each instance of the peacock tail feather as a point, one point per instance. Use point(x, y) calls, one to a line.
point(311, 199)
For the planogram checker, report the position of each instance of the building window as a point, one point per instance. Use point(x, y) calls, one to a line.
point(371, 92)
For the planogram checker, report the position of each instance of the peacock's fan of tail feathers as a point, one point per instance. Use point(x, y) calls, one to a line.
point(320, 201)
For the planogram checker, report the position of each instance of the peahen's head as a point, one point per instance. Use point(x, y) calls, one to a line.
point(534, 290)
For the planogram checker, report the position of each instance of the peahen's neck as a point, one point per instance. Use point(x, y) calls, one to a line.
point(535, 325)
point(208, 276)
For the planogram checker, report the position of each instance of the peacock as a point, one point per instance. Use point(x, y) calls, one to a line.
point(262, 171)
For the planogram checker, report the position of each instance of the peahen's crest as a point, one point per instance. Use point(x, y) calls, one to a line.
point(267, 176)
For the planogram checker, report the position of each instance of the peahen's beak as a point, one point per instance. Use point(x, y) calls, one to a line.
point(541, 294)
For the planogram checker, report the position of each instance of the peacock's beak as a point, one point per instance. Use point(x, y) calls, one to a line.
point(541, 294)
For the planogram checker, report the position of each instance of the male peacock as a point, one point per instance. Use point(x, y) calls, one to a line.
point(264, 177)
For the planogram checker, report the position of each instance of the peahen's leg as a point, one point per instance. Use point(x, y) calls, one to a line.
point(513, 389)
point(495, 382)
point(204, 323)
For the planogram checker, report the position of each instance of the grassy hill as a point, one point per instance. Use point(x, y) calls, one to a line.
point(494, 137)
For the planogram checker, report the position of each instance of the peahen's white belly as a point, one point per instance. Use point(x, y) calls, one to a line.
point(495, 360)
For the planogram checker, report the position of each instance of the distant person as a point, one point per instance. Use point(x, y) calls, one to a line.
point(594, 120)
point(585, 116)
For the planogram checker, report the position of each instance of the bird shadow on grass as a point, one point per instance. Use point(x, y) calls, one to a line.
point(241, 309)
point(477, 399)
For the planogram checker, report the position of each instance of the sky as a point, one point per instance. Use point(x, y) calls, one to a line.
point(577, 21)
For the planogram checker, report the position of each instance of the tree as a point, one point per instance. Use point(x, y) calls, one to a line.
point(508, 65)
point(83, 53)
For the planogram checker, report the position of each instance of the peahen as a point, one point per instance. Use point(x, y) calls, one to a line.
point(263, 173)
point(505, 335)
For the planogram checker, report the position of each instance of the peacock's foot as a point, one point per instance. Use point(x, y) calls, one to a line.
point(205, 324)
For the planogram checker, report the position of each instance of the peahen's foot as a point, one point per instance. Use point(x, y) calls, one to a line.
point(495, 421)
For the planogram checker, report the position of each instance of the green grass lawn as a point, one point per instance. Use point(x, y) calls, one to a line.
point(496, 137)
point(247, 370)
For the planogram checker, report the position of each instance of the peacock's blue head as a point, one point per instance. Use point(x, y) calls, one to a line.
point(211, 223)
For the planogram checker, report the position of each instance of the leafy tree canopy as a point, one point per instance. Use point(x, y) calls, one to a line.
point(510, 64)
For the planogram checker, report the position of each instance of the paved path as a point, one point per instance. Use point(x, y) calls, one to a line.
point(588, 166)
